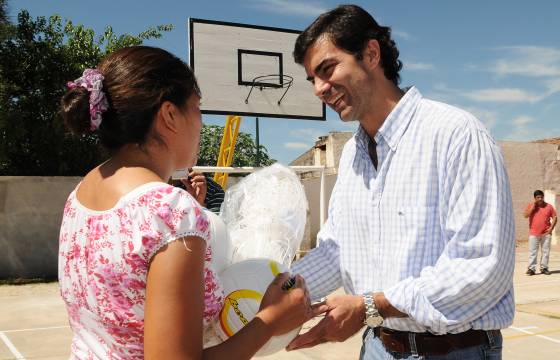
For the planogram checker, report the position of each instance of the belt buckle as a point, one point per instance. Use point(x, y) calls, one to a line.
point(390, 342)
point(435, 345)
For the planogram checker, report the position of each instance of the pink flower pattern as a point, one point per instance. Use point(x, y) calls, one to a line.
point(103, 264)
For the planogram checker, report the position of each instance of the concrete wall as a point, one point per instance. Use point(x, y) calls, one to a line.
point(338, 140)
point(31, 207)
point(30, 216)
point(312, 188)
point(530, 166)
point(305, 159)
point(327, 151)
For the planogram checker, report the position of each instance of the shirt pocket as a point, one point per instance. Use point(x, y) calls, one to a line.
point(411, 235)
point(408, 221)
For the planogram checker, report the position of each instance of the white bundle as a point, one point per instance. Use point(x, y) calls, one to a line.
point(265, 214)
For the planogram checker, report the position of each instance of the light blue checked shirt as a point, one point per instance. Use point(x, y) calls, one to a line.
point(432, 228)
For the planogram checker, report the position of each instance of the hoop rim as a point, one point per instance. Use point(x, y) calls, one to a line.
point(285, 81)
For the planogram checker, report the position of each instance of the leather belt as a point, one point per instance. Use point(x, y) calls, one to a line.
point(430, 344)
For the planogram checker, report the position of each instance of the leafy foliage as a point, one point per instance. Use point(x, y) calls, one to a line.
point(245, 153)
point(37, 58)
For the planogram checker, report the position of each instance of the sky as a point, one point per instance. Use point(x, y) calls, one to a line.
point(500, 60)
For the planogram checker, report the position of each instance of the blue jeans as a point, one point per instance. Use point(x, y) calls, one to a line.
point(373, 349)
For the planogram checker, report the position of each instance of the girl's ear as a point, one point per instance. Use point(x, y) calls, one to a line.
point(167, 117)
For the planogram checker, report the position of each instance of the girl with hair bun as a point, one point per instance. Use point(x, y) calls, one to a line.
point(135, 265)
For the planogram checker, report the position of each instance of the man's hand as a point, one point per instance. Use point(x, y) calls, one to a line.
point(196, 186)
point(529, 209)
point(344, 316)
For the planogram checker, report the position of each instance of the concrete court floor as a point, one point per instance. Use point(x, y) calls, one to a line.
point(33, 321)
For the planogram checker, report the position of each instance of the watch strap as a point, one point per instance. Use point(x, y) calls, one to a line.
point(371, 309)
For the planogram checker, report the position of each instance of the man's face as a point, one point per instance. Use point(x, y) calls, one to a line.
point(539, 200)
point(339, 79)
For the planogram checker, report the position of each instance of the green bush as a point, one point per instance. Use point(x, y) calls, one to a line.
point(245, 153)
point(37, 58)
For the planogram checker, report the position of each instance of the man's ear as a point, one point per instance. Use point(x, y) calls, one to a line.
point(168, 117)
point(372, 54)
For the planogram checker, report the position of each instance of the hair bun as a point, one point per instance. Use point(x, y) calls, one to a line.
point(74, 109)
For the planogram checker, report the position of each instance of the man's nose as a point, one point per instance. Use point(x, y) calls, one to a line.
point(322, 88)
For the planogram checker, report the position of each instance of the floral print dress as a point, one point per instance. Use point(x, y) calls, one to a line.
point(103, 264)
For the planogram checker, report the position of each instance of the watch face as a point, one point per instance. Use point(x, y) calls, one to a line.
point(374, 321)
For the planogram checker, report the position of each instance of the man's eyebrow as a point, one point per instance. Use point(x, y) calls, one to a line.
point(319, 67)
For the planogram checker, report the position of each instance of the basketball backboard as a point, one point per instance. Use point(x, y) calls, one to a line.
point(249, 70)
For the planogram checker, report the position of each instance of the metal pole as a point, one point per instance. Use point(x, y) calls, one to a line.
point(322, 199)
point(257, 161)
point(182, 173)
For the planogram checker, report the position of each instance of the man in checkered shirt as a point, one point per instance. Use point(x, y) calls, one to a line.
point(420, 230)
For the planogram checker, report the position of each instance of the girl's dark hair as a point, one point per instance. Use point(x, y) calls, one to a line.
point(350, 27)
point(138, 80)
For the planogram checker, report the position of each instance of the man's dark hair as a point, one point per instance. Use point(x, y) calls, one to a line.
point(350, 27)
point(538, 193)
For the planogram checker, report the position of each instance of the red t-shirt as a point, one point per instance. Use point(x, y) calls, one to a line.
point(540, 217)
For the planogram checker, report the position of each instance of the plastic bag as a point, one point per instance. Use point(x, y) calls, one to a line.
point(265, 214)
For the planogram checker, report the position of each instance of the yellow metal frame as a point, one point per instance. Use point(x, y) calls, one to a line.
point(227, 147)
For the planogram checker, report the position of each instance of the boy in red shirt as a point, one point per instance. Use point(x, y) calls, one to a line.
point(542, 219)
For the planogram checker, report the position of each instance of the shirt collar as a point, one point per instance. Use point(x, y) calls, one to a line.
point(396, 123)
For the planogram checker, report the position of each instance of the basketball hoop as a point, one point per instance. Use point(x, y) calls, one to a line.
point(272, 82)
point(231, 62)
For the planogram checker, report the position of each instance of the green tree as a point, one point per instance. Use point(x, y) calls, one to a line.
point(245, 153)
point(37, 58)
point(3, 12)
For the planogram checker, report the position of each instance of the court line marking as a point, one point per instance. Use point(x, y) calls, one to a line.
point(538, 334)
point(11, 346)
point(35, 329)
point(536, 283)
point(528, 327)
point(526, 309)
point(524, 335)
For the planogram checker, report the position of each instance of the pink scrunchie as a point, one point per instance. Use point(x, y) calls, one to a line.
point(92, 80)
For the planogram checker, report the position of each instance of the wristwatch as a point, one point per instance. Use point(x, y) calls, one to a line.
point(372, 317)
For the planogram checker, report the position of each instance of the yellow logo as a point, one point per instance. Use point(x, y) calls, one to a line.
point(232, 301)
